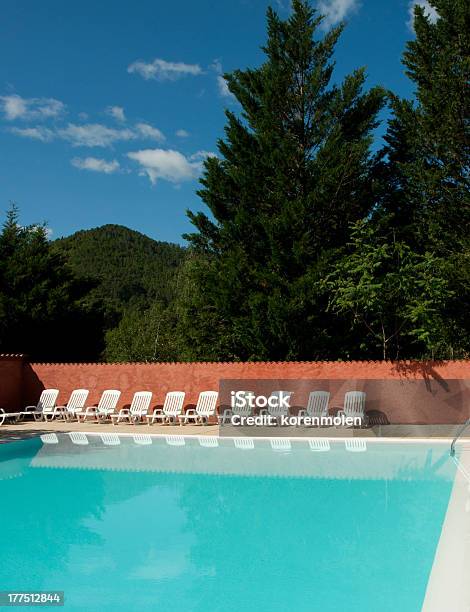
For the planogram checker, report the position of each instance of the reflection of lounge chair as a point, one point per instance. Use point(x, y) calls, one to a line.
point(280, 444)
point(78, 438)
point(355, 406)
point(137, 410)
point(49, 438)
point(317, 406)
point(45, 405)
point(106, 406)
point(208, 441)
point(205, 408)
point(244, 411)
point(143, 439)
point(110, 439)
point(319, 445)
point(356, 445)
point(75, 404)
point(175, 440)
point(171, 410)
point(244, 443)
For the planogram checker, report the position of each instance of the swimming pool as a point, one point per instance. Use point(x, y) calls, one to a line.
point(173, 523)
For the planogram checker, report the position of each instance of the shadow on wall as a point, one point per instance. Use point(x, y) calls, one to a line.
point(31, 387)
point(420, 369)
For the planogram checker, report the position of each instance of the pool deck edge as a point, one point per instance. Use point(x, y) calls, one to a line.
point(449, 583)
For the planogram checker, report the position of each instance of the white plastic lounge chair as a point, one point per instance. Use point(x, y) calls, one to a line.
point(278, 410)
point(110, 439)
point(45, 405)
point(245, 410)
point(355, 406)
point(280, 444)
point(142, 439)
point(319, 445)
point(205, 408)
point(49, 438)
point(244, 443)
point(208, 441)
point(78, 438)
point(172, 408)
point(175, 440)
point(106, 406)
point(317, 405)
point(137, 410)
point(356, 445)
point(75, 404)
point(15, 416)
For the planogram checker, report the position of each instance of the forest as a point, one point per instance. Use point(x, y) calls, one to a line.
point(318, 238)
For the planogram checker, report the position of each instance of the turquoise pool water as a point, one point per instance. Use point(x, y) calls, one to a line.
point(174, 525)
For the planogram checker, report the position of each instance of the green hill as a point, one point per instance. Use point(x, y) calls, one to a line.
point(127, 268)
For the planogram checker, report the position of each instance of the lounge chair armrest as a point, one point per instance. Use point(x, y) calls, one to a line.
point(302, 413)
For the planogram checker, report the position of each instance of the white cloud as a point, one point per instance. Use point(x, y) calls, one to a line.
point(91, 134)
point(224, 91)
point(117, 112)
point(94, 135)
point(16, 107)
point(336, 10)
point(168, 165)
point(222, 86)
point(429, 10)
point(162, 70)
point(36, 133)
point(95, 165)
point(201, 155)
point(182, 133)
point(148, 131)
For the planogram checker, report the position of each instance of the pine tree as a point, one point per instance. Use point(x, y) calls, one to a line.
point(294, 171)
point(429, 138)
point(428, 160)
point(40, 300)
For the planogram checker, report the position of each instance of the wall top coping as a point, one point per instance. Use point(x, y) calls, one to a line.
point(397, 364)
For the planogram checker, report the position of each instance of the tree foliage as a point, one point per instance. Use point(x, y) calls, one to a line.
point(393, 293)
point(294, 171)
point(130, 270)
point(41, 308)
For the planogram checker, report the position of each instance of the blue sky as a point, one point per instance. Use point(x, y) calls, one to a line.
point(107, 109)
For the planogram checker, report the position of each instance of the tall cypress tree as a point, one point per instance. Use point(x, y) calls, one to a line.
point(427, 186)
point(429, 138)
point(294, 171)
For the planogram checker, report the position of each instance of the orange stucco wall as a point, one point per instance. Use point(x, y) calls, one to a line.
point(401, 392)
